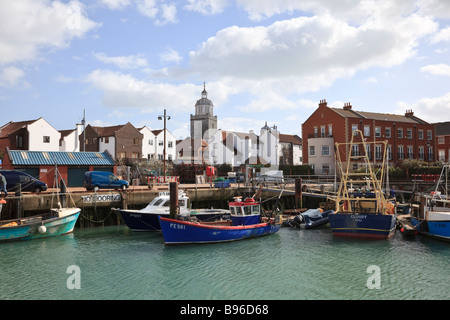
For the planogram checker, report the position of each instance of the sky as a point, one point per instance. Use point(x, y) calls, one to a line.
point(122, 61)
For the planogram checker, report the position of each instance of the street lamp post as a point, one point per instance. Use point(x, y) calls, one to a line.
point(164, 149)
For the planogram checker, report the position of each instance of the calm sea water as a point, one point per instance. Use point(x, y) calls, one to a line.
point(116, 263)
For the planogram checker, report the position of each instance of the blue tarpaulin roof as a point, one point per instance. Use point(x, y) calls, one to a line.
point(35, 158)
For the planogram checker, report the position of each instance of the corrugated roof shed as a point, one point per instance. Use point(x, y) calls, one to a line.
point(36, 158)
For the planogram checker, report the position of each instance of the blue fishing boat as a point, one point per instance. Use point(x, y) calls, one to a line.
point(362, 209)
point(146, 219)
point(56, 222)
point(433, 217)
point(246, 222)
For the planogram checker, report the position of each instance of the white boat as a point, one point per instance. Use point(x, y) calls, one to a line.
point(146, 219)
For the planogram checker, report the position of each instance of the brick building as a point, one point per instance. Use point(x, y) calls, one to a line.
point(408, 136)
point(443, 141)
point(122, 141)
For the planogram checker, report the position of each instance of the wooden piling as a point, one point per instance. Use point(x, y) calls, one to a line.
point(298, 193)
point(173, 200)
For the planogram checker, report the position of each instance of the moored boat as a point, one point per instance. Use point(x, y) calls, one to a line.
point(246, 222)
point(146, 219)
point(56, 222)
point(433, 217)
point(362, 209)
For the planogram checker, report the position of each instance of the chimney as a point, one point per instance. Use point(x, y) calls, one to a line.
point(323, 103)
point(347, 106)
point(409, 113)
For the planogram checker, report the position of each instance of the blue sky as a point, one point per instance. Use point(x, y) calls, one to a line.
point(262, 60)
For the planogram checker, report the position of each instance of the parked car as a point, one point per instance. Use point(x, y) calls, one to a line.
point(27, 182)
point(95, 180)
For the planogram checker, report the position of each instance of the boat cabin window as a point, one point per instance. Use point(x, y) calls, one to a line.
point(237, 211)
point(255, 209)
point(247, 210)
point(166, 204)
point(157, 202)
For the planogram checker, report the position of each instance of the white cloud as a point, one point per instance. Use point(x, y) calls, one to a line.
point(115, 4)
point(431, 110)
point(123, 62)
point(11, 76)
point(124, 91)
point(28, 27)
point(442, 36)
point(170, 55)
point(308, 47)
point(206, 7)
point(437, 69)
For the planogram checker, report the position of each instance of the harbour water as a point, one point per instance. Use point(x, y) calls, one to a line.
point(115, 263)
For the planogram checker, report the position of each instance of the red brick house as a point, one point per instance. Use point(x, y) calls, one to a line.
point(443, 141)
point(409, 137)
point(121, 141)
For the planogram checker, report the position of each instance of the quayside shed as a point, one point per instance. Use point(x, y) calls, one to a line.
point(71, 165)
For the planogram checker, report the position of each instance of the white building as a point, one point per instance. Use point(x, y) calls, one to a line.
point(33, 135)
point(156, 149)
point(70, 141)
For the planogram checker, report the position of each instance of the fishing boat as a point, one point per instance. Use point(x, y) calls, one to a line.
point(146, 219)
point(246, 222)
point(362, 209)
point(57, 221)
point(433, 217)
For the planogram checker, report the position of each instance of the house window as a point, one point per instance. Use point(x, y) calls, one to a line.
point(420, 134)
point(46, 139)
point(378, 154)
point(409, 133)
point(315, 131)
point(366, 131)
point(441, 154)
point(19, 141)
point(389, 152)
point(401, 155)
point(322, 131)
point(421, 153)
point(170, 144)
point(378, 132)
point(387, 132)
point(122, 155)
point(150, 142)
point(354, 128)
point(134, 155)
point(312, 150)
point(135, 141)
point(325, 150)
point(429, 135)
point(330, 130)
point(441, 140)
point(400, 133)
point(410, 151)
point(325, 168)
point(160, 143)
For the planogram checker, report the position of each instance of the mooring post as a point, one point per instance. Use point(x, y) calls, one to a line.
point(18, 196)
point(298, 193)
point(63, 196)
point(173, 200)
